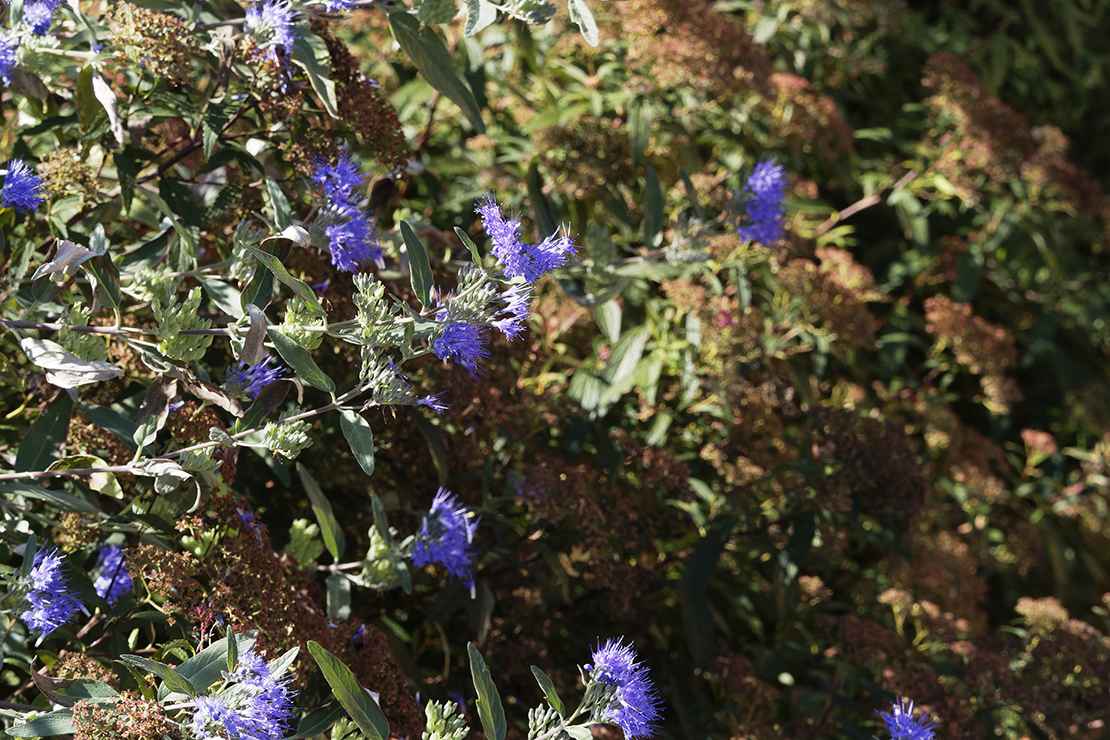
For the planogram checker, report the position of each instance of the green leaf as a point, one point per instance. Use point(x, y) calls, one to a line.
point(232, 649)
point(318, 722)
point(300, 360)
point(213, 122)
point(362, 709)
point(89, 108)
point(608, 318)
point(329, 526)
point(310, 53)
point(184, 207)
point(299, 287)
point(224, 199)
point(469, 244)
point(338, 597)
point(381, 521)
point(542, 210)
point(104, 276)
point(653, 208)
point(580, 732)
point(426, 50)
point(183, 235)
point(29, 550)
point(639, 130)
point(580, 14)
point(700, 567)
point(479, 14)
point(227, 299)
point(55, 723)
point(127, 176)
point(174, 680)
point(490, 711)
point(282, 213)
point(45, 436)
point(206, 667)
point(87, 689)
point(359, 437)
point(420, 270)
point(548, 689)
point(63, 501)
point(434, 438)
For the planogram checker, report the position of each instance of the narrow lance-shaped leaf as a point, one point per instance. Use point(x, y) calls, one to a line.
point(490, 710)
point(362, 709)
point(360, 437)
point(301, 361)
point(299, 287)
point(548, 688)
point(419, 268)
point(435, 63)
point(174, 680)
point(329, 526)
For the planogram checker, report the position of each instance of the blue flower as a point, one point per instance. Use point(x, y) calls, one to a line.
point(337, 6)
point(273, 17)
point(463, 342)
point(902, 726)
point(22, 187)
point(766, 203)
point(51, 604)
point(114, 580)
point(433, 402)
point(516, 258)
point(8, 57)
point(256, 705)
point(635, 708)
point(39, 14)
point(252, 525)
point(447, 537)
point(244, 380)
point(514, 308)
point(352, 240)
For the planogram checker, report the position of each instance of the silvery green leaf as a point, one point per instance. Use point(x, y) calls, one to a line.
point(107, 98)
point(167, 474)
point(66, 261)
point(65, 369)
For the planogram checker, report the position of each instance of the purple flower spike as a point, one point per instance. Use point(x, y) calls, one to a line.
point(352, 240)
point(50, 603)
point(338, 6)
point(273, 17)
point(766, 206)
point(447, 537)
point(515, 306)
point(635, 707)
point(518, 259)
point(8, 58)
point(902, 726)
point(433, 403)
point(22, 187)
point(463, 342)
point(250, 380)
point(261, 710)
point(114, 580)
point(39, 14)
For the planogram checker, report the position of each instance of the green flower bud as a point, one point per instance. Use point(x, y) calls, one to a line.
point(86, 345)
point(443, 722)
point(178, 317)
point(287, 439)
point(150, 285)
point(297, 316)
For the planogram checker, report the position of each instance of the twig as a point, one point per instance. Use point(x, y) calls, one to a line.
point(863, 203)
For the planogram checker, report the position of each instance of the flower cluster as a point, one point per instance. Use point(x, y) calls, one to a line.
point(516, 258)
point(902, 726)
point(766, 190)
point(634, 705)
point(22, 188)
point(351, 236)
point(249, 380)
point(114, 580)
point(447, 537)
point(273, 19)
point(338, 6)
point(9, 58)
point(463, 342)
point(50, 602)
point(256, 704)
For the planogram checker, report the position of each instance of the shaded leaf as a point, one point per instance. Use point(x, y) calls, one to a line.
point(420, 270)
point(325, 517)
point(548, 689)
point(360, 437)
point(174, 680)
point(300, 359)
point(361, 708)
point(45, 436)
point(426, 50)
point(490, 711)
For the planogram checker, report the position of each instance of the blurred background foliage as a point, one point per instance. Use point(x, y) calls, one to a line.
point(805, 478)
